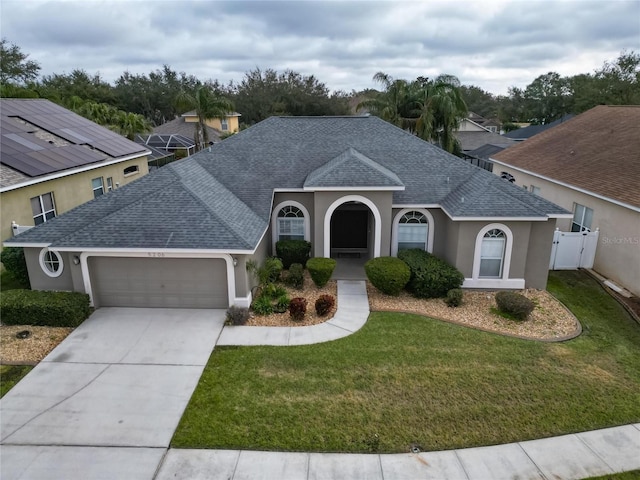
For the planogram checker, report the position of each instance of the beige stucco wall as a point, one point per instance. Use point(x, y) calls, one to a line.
point(618, 250)
point(68, 192)
point(232, 121)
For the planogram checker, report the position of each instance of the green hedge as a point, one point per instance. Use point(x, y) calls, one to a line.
point(431, 277)
point(13, 260)
point(388, 274)
point(44, 308)
point(293, 251)
point(321, 269)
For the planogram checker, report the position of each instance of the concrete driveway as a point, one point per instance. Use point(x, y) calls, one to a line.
point(106, 402)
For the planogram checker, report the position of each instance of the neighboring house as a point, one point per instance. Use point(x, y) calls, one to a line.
point(354, 186)
point(528, 131)
point(473, 139)
point(228, 124)
point(52, 160)
point(184, 129)
point(166, 145)
point(590, 165)
point(491, 124)
point(481, 155)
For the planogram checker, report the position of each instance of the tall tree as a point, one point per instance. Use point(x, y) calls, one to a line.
point(429, 108)
point(14, 66)
point(547, 98)
point(479, 101)
point(207, 104)
point(62, 88)
point(619, 81)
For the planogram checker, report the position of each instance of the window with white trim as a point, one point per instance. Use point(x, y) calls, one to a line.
point(109, 184)
point(290, 223)
point(132, 170)
point(43, 208)
point(492, 254)
point(582, 218)
point(97, 186)
point(413, 231)
point(535, 190)
point(224, 124)
point(51, 262)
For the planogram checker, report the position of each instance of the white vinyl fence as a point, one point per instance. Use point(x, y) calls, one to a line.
point(573, 250)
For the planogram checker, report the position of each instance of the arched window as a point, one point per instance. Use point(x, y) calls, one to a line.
point(290, 223)
point(492, 254)
point(413, 231)
point(51, 262)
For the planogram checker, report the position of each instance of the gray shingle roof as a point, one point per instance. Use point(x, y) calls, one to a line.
point(187, 129)
point(352, 169)
point(221, 198)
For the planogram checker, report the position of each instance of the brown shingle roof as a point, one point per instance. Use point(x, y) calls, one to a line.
point(598, 151)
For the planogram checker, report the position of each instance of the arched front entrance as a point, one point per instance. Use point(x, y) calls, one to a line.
point(352, 226)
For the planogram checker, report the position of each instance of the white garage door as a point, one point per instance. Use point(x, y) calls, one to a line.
point(159, 282)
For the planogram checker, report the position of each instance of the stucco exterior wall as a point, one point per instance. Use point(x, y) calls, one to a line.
point(68, 192)
point(323, 201)
point(41, 281)
point(618, 251)
point(232, 121)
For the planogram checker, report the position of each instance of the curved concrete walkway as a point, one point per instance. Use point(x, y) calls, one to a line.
point(351, 315)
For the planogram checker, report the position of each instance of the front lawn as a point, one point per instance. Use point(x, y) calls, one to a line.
point(407, 379)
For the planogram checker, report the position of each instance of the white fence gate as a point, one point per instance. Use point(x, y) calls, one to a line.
point(572, 250)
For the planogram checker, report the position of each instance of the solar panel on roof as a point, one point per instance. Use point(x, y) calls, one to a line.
point(23, 141)
point(76, 135)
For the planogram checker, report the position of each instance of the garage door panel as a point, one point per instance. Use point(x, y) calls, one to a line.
point(159, 282)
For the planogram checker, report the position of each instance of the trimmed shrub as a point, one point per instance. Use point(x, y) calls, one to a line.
point(293, 251)
point(388, 274)
point(297, 308)
point(514, 304)
point(263, 305)
point(324, 304)
point(454, 297)
point(13, 260)
point(237, 316)
point(295, 276)
point(44, 308)
point(431, 277)
point(321, 269)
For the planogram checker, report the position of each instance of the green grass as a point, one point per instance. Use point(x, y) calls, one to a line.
point(406, 379)
point(10, 375)
point(632, 475)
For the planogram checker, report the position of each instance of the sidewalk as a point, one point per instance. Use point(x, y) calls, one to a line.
point(569, 457)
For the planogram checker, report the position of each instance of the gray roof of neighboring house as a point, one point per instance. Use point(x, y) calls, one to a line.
point(39, 138)
point(531, 130)
point(487, 150)
point(472, 140)
point(187, 129)
point(222, 199)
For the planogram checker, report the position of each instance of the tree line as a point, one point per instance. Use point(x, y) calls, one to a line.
point(430, 108)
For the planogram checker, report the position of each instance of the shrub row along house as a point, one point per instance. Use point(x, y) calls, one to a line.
point(182, 235)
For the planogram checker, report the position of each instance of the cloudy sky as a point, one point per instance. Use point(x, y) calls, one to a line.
point(492, 44)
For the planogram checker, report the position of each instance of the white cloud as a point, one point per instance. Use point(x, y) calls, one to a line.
point(489, 44)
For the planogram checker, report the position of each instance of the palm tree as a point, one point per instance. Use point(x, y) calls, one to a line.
point(207, 104)
point(393, 104)
point(430, 109)
point(441, 109)
point(129, 124)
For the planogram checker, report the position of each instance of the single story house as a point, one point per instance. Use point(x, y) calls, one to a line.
point(52, 160)
point(590, 165)
point(356, 185)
